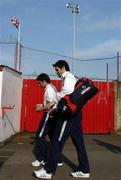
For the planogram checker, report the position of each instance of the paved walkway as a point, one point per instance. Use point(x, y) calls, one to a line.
point(104, 152)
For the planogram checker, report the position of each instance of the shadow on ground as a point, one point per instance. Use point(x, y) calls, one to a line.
point(108, 146)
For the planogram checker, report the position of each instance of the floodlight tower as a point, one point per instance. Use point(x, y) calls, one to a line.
point(75, 9)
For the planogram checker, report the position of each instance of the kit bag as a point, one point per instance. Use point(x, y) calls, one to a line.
point(84, 91)
point(66, 109)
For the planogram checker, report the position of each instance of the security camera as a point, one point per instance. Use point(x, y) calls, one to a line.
point(67, 5)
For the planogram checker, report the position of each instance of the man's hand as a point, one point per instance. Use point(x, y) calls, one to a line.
point(41, 107)
point(52, 108)
point(50, 105)
point(38, 107)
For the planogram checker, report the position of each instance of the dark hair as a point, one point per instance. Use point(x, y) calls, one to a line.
point(61, 64)
point(43, 77)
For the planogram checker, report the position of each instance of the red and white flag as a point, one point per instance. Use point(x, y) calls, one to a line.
point(15, 22)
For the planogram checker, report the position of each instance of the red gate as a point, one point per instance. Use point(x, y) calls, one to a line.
point(98, 113)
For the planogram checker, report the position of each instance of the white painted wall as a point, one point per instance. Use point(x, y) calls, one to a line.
point(10, 95)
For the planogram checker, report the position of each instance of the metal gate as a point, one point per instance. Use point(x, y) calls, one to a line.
point(98, 113)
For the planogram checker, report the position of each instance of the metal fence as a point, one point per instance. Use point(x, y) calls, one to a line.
point(36, 61)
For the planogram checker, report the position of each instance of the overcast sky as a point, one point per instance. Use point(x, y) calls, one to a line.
point(47, 25)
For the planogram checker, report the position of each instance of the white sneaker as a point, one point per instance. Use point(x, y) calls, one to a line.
point(80, 174)
point(60, 164)
point(37, 163)
point(42, 174)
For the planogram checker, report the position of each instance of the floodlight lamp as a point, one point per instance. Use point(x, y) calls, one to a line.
point(77, 11)
point(68, 5)
point(77, 8)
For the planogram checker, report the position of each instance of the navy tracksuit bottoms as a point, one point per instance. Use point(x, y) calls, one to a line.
point(46, 127)
point(63, 130)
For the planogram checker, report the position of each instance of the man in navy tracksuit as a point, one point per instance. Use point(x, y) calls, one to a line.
point(47, 123)
point(66, 127)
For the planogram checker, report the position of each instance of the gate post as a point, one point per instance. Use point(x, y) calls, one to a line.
point(117, 107)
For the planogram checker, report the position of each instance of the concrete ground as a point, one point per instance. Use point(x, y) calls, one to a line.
point(104, 152)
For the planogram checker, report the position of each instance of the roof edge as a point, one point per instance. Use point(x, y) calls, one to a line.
point(2, 67)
